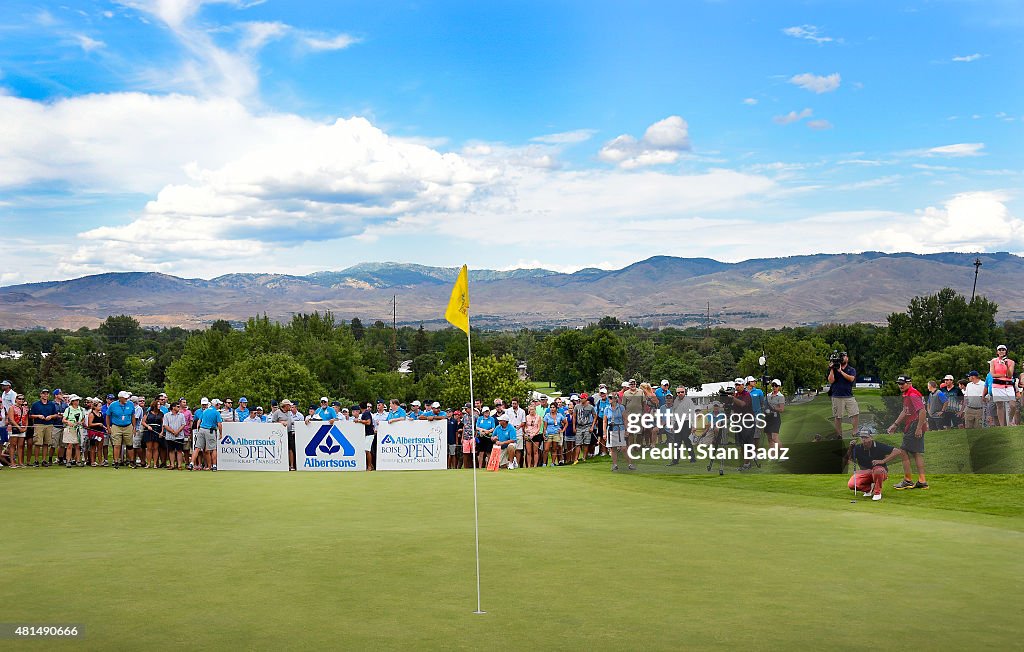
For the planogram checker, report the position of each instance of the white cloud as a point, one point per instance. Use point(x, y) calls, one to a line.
point(819, 124)
point(662, 143)
point(957, 150)
point(88, 44)
point(258, 34)
point(749, 101)
point(328, 43)
point(311, 182)
point(968, 58)
point(792, 117)
point(970, 221)
point(816, 83)
point(566, 137)
point(808, 33)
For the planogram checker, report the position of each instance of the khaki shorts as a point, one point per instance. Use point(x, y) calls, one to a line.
point(122, 435)
point(555, 437)
point(43, 435)
point(206, 439)
point(71, 435)
point(844, 407)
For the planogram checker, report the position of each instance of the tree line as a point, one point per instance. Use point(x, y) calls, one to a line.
point(318, 354)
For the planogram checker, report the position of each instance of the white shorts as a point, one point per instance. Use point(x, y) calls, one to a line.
point(1002, 394)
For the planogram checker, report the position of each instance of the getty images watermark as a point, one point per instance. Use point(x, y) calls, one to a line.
point(708, 434)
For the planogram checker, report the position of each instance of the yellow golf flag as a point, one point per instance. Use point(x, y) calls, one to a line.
point(458, 306)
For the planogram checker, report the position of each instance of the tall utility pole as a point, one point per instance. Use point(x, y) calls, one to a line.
point(977, 266)
point(707, 323)
point(394, 333)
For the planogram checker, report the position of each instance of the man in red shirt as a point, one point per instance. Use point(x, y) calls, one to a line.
point(915, 422)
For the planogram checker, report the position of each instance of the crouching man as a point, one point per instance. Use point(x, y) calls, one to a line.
point(871, 458)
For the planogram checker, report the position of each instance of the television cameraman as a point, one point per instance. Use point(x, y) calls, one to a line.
point(841, 377)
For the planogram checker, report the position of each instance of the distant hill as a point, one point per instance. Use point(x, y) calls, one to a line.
point(659, 291)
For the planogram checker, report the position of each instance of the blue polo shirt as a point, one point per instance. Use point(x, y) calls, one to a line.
point(662, 395)
point(602, 405)
point(165, 409)
point(121, 415)
point(485, 423)
point(506, 434)
point(396, 414)
point(757, 400)
point(209, 418)
point(241, 414)
point(440, 413)
point(326, 413)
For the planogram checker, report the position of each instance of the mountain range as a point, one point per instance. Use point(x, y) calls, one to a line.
point(659, 291)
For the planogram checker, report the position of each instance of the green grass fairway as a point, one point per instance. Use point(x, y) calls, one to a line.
point(576, 558)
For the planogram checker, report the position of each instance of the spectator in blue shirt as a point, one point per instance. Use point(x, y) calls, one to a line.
point(396, 413)
point(663, 393)
point(504, 436)
point(325, 412)
point(242, 411)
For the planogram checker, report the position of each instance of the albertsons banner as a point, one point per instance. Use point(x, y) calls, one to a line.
point(253, 447)
point(417, 445)
point(321, 446)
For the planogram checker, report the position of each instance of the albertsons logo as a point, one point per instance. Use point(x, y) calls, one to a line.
point(328, 448)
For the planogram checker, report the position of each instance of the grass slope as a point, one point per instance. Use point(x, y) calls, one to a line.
point(573, 557)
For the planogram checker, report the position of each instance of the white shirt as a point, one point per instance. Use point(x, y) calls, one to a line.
point(973, 393)
point(516, 418)
point(9, 397)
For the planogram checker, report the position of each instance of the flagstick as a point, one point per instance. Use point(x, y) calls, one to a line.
point(476, 507)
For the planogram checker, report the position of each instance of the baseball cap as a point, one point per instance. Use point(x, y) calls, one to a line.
point(435, 404)
point(286, 402)
point(324, 399)
point(974, 373)
point(204, 401)
point(584, 396)
point(750, 379)
point(417, 403)
point(738, 381)
point(948, 377)
point(217, 401)
point(1001, 346)
point(625, 383)
point(903, 379)
point(6, 382)
point(111, 396)
point(503, 417)
point(56, 391)
point(865, 434)
point(574, 397)
point(124, 394)
point(241, 400)
point(486, 409)
point(273, 402)
point(603, 391)
point(777, 382)
point(162, 395)
point(664, 383)
point(74, 397)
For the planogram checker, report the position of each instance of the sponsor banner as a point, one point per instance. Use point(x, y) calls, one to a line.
point(253, 447)
point(321, 446)
point(418, 445)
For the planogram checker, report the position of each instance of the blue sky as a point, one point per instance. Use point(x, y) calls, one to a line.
point(202, 138)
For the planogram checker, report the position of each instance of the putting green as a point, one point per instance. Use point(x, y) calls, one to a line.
point(572, 557)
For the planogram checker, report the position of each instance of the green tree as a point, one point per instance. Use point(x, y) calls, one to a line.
point(358, 330)
point(122, 329)
point(796, 362)
point(492, 378)
point(956, 360)
point(260, 378)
